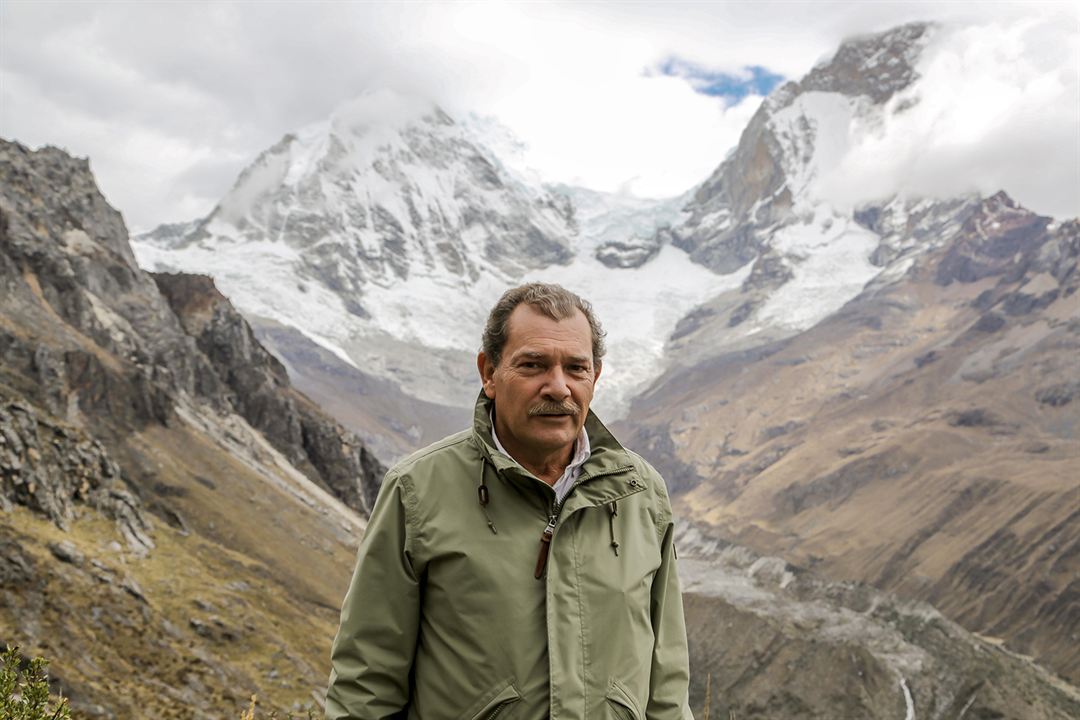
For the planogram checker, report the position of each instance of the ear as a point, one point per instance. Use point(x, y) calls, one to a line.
point(487, 374)
point(596, 376)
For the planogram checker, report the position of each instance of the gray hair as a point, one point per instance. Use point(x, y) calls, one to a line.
point(554, 301)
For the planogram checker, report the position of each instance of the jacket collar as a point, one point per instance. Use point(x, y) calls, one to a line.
point(608, 460)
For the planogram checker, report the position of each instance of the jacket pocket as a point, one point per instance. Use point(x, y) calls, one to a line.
point(498, 703)
point(622, 702)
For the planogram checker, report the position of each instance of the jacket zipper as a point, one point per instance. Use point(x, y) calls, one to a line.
point(556, 509)
point(545, 541)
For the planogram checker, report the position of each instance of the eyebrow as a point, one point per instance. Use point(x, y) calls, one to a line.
point(533, 355)
point(536, 355)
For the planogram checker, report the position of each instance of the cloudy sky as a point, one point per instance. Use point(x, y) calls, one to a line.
point(171, 100)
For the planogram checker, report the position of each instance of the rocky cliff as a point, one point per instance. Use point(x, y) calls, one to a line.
point(167, 499)
point(733, 214)
point(258, 389)
point(139, 345)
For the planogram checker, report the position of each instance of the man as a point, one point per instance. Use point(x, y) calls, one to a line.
point(524, 568)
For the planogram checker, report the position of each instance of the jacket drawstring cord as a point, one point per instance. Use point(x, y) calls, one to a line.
point(613, 510)
point(482, 495)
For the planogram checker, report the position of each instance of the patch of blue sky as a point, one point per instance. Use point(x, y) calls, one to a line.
point(751, 80)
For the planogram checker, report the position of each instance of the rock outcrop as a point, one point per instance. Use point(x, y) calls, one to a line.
point(93, 339)
point(258, 389)
point(51, 468)
point(152, 453)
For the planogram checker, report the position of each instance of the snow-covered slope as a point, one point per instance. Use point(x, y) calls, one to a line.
point(770, 205)
point(386, 234)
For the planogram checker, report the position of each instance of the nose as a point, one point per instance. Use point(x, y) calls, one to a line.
point(556, 387)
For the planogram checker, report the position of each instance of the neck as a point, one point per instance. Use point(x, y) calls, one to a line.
point(550, 468)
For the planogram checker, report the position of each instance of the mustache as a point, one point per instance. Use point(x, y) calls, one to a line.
point(549, 407)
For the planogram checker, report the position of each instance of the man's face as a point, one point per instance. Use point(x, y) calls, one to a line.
point(543, 384)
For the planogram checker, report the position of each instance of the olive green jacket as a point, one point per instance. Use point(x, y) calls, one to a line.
point(445, 619)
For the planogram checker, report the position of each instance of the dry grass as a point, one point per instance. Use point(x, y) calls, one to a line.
point(226, 611)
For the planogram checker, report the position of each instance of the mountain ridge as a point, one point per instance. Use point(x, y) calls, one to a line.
point(763, 248)
point(921, 438)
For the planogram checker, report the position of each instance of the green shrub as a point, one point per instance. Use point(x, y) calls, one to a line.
point(24, 695)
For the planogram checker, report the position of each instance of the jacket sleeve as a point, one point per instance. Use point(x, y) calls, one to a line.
point(373, 652)
point(669, 684)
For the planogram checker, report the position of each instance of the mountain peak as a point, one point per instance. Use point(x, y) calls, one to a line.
point(388, 187)
point(354, 217)
point(382, 111)
point(877, 66)
point(795, 141)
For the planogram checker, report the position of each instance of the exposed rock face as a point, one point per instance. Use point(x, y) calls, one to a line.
point(16, 567)
point(75, 383)
point(260, 391)
point(997, 237)
point(66, 252)
point(630, 253)
point(114, 350)
point(877, 66)
point(908, 227)
point(721, 232)
point(769, 271)
point(87, 338)
point(49, 468)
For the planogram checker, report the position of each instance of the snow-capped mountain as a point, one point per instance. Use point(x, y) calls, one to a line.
point(386, 234)
point(771, 207)
point(796, 138)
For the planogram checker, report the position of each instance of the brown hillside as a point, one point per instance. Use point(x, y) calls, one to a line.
point(923, 439)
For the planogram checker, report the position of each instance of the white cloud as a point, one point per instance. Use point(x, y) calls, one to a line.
point(171, 100)
point(652, 136)
point(997, 108)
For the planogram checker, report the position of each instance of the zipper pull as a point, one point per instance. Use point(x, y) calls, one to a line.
point(545, 545)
